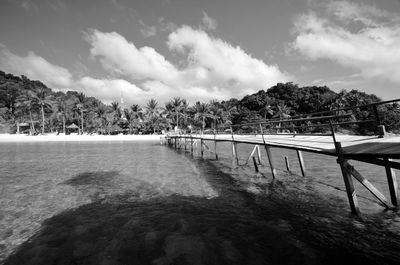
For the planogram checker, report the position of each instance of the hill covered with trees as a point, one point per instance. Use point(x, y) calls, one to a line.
point(27, 101)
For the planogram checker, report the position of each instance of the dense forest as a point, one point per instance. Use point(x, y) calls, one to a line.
point(24, 101)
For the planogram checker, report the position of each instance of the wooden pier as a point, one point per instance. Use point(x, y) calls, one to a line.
point(379, 149)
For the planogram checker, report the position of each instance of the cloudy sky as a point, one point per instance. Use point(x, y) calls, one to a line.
point(201, 50)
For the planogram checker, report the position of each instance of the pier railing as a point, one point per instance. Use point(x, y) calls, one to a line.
point(362, 119)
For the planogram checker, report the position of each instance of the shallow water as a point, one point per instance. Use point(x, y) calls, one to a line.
point(142, 203)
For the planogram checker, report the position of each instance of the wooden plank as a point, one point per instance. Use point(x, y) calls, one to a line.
point(371, 188)
point(392, 182)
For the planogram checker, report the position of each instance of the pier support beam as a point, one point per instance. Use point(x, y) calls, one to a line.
point(392, 181)
point(255, 164)
point(271, 164)
point(201, 147)
point(301, 163)
point(287, 163)
point(256, 150)
point(348, 181)
point(234, 153)
point(215, 149)
point(352, 171)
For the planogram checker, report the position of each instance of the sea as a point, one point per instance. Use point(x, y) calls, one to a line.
point(131, 202)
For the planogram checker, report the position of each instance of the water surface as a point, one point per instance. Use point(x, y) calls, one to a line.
point(142, 203)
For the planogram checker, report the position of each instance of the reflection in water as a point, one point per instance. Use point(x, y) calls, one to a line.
point(188, 211)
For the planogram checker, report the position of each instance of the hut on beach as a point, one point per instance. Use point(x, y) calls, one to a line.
point(73, 127)
point(22, 127)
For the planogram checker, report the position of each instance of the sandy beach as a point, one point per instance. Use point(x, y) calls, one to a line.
point(76, 138)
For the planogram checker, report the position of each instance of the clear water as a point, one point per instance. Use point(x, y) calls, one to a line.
point(143, 203)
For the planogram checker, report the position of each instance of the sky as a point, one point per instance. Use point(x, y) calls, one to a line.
point(201, 50)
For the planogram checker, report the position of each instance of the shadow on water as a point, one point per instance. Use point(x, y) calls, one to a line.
point(92, 178)
point(275, 227)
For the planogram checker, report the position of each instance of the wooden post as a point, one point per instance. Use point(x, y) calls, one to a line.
point(234, 151)
point(392, 181)
point(215, 149)
point(301, 162)
point(287, 163)
point(258, 155)
point(185, 143)
point(191, 145)
point(381, 131)
point(268, 151)
point(215, 144)
point(201, 147)
point(255, 164)
point(271, 164)
point(348, 181)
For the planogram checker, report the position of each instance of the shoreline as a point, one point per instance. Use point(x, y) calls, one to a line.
point(9, 138)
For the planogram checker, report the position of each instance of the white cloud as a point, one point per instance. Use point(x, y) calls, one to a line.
point(213, 69)
point(166, 26)
point(354, 35)
point(147, 31)
point(122, 57)
point(208, 22)
point(35, 67)
point(109, 90)
point(220, 64)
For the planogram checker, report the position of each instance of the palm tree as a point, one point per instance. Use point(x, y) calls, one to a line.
point(80, 105)
point(215, 112)
point(228, 112)
point(134, 116)
point(61, 108)
point(44, 101)
point(185, 110)
point(267, 109)
point(152, 112)
point(168, 113)
point(176, 104)
point(28, 101)
point(201, 113)
point(116, 111)
point(100, 113)
point(282, 112)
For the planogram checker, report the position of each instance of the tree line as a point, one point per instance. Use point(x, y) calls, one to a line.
point(26, 101)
